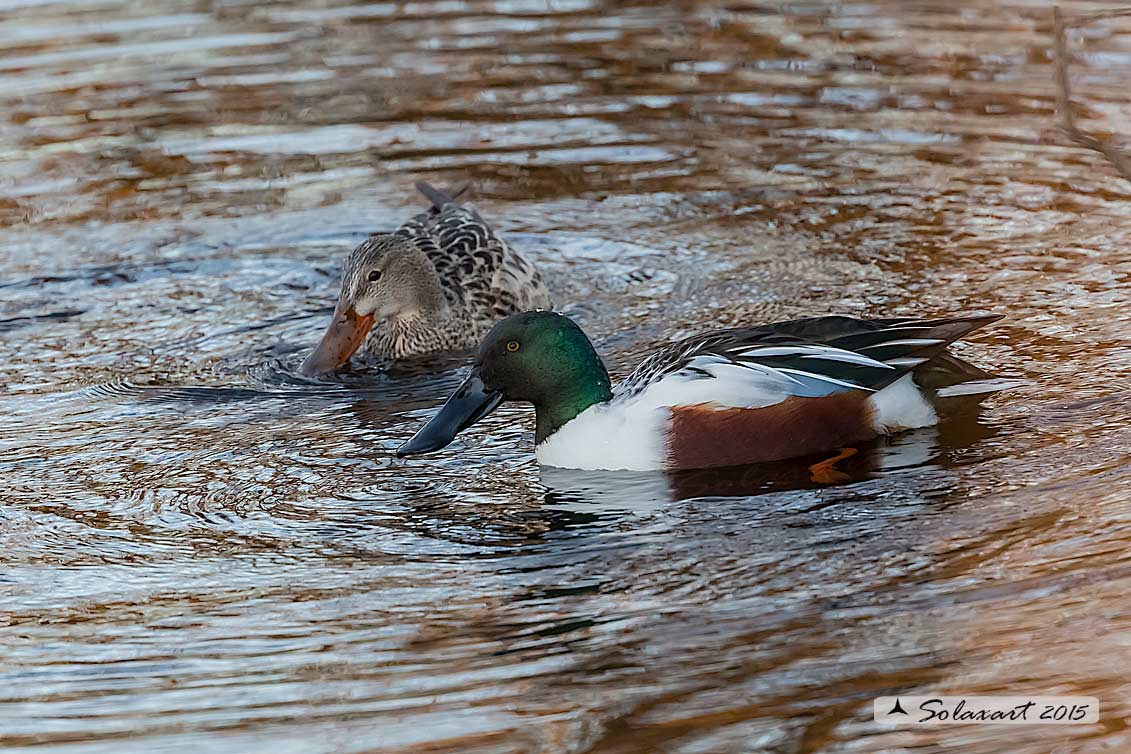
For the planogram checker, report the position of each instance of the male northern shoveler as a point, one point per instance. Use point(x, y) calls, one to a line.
point(723, 398)
point(437, 283)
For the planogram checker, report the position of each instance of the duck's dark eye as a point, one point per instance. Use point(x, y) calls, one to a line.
point(512, 346)
point(374, 276)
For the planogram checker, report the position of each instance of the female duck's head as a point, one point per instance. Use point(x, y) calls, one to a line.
point(539, 357)
point(388, 277)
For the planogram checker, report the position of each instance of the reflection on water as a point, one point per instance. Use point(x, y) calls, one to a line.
point(204, 550)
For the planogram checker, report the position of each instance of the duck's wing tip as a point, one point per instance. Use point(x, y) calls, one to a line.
point(981, 320)
point(955, 328)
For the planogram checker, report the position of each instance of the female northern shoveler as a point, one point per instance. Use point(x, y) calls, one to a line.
point(723, 398)
point(437, 283)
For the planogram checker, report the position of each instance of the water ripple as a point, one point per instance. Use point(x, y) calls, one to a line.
point(204, 549)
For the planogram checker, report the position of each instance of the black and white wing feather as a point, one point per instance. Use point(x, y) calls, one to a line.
point(806, 358)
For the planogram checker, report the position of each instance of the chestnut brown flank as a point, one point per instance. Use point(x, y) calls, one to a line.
point(700, 436)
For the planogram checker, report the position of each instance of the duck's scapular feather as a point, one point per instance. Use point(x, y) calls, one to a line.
point(820, 354)
point(477, 268)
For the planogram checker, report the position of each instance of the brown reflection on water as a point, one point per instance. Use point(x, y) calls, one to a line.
point(203, 550)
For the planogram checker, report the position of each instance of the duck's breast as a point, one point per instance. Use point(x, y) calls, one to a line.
point(616, 436)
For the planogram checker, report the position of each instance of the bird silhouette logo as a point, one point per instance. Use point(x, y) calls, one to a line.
point(897, 709)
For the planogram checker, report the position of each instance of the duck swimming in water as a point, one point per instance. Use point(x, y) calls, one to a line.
point(437, 283)
point(723, 398)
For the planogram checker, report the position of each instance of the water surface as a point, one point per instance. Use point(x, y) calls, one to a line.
point(202, 550)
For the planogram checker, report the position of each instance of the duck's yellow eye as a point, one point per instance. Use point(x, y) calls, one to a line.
point(512, 345)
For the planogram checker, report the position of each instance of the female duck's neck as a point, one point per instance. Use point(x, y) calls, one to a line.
point(585, 388)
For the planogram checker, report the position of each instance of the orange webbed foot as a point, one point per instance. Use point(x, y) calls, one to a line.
point(826, 472)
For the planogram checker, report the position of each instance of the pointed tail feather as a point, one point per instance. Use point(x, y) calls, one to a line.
point(440, 198)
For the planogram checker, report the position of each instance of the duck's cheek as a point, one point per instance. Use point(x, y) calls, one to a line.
point(343, 337)
point(388, 308)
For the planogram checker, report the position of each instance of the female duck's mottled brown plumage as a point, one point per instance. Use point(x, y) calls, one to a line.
point(438, 283)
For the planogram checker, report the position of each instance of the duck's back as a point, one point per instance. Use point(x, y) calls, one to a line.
point(483, 278)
